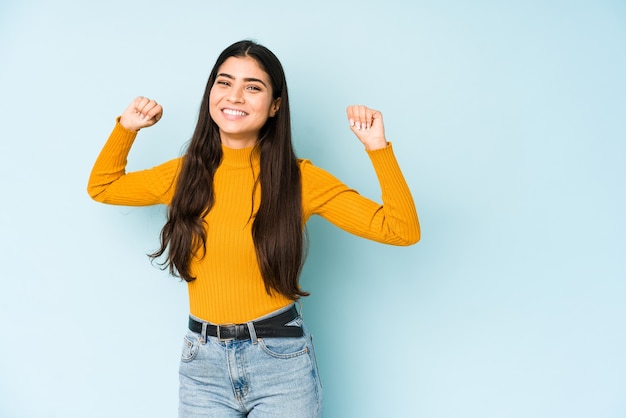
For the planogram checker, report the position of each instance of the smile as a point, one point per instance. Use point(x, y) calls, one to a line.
point(234, 112)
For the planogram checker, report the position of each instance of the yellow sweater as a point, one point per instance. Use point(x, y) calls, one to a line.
point(229, 287)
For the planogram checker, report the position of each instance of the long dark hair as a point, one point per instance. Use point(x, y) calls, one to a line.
point(277, 229)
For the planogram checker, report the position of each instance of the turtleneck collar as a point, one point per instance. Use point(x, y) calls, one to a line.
point(239, 157)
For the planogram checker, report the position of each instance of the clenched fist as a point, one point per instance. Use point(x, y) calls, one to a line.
point(141, 113)
point(367, 125)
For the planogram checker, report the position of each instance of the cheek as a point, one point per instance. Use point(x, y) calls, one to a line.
point(213, 105)
point(267, 108)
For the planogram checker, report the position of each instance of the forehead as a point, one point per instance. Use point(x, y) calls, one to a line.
point(243, 67)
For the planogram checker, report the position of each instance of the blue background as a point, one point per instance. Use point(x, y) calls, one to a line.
point(507, 117)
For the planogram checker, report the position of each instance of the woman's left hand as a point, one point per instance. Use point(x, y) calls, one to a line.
point(367, 125)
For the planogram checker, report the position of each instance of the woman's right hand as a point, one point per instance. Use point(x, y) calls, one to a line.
point(141, 113)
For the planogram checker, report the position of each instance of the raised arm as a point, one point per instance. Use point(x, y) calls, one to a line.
point(394, 221)
point(109, 182)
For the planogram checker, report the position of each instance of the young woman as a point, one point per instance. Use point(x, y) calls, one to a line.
point(238, 202)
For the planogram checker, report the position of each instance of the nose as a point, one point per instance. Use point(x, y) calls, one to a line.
point(236, 95)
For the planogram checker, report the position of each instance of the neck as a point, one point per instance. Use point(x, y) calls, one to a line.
point(238, 141)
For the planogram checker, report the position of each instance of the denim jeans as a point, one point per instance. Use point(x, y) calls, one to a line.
point(256, 378)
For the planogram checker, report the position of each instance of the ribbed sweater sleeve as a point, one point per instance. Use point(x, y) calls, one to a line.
point(109, 182)
point(392, 222)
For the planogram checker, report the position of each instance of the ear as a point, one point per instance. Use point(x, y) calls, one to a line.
point(274, 107)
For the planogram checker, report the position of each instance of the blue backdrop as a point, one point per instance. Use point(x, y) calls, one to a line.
point(508, 119)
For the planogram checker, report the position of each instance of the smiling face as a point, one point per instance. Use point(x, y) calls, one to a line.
point(241, 101)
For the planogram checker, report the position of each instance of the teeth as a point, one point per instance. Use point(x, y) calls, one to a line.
point(234, 112)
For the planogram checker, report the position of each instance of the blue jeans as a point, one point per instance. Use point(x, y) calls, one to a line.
point(256, 378)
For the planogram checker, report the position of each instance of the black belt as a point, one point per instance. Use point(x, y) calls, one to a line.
point(273, 327)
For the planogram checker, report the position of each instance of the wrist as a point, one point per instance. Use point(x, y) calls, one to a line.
point(376, 145)
point(124, 124)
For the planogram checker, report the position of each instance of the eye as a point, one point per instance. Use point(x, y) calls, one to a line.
point(253, 87)
point(222, 83)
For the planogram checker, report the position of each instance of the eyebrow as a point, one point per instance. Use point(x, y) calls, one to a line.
point(247, 79)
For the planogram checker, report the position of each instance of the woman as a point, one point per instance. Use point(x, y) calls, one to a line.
point(238, 202)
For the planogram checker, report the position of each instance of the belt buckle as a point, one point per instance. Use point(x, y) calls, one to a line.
point(219, 334)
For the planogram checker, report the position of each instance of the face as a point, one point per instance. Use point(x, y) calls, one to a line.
point(240, 101)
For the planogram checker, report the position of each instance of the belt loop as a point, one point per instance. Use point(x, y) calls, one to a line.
point(204, 336)
point(252, 331)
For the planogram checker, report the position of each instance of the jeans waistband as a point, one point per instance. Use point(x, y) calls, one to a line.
point(268, 327)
